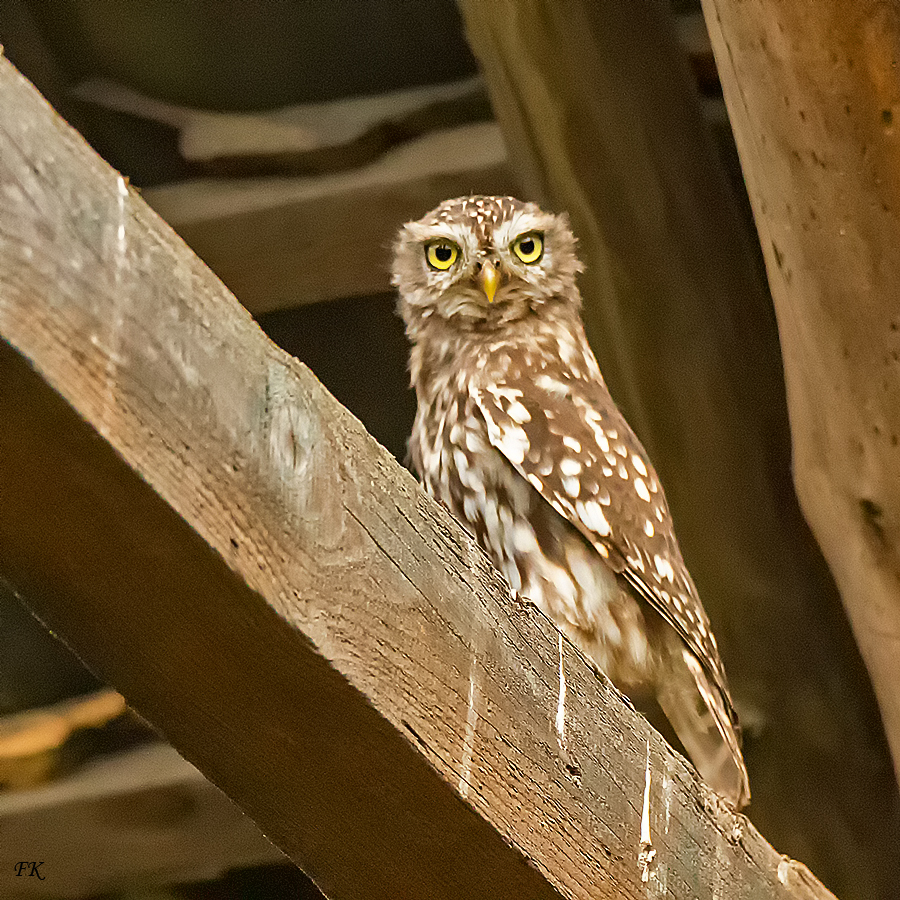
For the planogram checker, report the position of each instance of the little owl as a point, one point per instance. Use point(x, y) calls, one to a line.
point(517, 434)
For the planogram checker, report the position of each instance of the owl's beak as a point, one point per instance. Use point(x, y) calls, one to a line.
point(489, 280)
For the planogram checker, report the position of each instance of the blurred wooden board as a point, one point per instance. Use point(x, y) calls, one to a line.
point(304, 139)
point(282, 242)
point(33, 743)
point(145, 817)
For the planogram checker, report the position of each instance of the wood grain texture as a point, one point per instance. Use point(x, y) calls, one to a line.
point(224, 544)
point(601, 120)
point(814, 94)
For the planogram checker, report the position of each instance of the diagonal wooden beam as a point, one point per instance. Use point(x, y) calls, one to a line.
point(188, 508)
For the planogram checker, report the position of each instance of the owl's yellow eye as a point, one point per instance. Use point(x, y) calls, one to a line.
point(441, 254)
point(529, 247)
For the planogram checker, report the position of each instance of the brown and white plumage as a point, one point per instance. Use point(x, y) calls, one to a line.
point(516, 432)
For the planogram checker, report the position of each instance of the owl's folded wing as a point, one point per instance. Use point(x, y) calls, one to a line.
point(567, 438)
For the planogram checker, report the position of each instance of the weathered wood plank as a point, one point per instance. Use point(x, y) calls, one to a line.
point(813, 96)
point(144, 817)
point(280, 243)
point(601, 120)
point(223, 543)
point(304, 139)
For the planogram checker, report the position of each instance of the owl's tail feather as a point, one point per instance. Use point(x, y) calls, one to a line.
point(696, 709)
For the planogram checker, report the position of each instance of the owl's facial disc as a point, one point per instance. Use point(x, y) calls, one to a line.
point(483, 261)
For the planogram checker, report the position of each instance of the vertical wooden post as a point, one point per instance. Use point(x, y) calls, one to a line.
point(601, 119)
point(813, 91)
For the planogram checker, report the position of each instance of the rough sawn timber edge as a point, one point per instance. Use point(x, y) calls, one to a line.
point(220, 540)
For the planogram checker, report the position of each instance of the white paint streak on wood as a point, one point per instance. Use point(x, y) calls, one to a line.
point(561, 701)
point(783, 868)
point(667, 796)
point(465, 778)
point(120, 233)
point(647, 853)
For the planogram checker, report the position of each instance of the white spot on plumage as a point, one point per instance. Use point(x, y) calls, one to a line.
point(638, 463)
point(636, 562)
point(474, 441)
point(569, 466)
point(518, 413)
point(535, 481)
point(623, 472)
point(513, 444)
point(491, 516)
point(471, 478)
point(572, 443)
point(664, 567)
point(621, 449)
point(649, 530)
point(563, 583)
point(551, 385)
point(567, 350)
point(572, 486)
point(641, 489)
point(600, 436)
point(555, 428)
point(524, 538)
point(592, 516)
point(503, 393)
point(607, 471)
point(511, 571)
point(659, 513)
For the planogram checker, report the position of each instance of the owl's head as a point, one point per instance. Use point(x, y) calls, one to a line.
point(482, 261)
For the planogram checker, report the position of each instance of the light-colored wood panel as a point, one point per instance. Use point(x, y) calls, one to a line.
point(282, 242)
point(813, 96)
